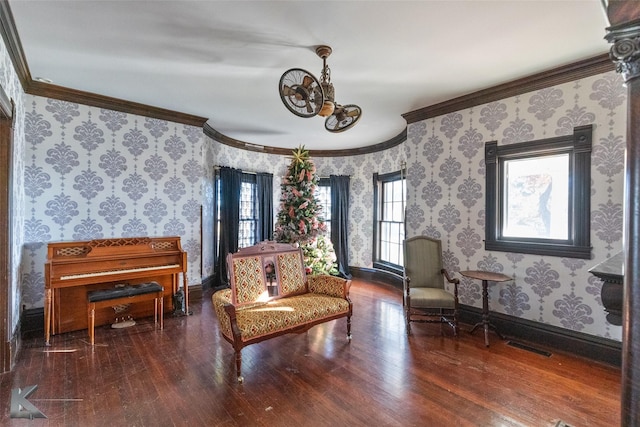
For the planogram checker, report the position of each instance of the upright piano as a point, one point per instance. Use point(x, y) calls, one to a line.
point(74, 268)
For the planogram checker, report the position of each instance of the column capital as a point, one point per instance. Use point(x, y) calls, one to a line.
point(625, 52)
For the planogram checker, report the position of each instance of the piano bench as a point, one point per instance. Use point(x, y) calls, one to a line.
point(103, 298)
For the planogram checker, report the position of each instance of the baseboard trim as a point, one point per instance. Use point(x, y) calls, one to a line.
point(195, 293)
point(32, 322)
point(577, 343)
point(208, 282)
point(376, 276)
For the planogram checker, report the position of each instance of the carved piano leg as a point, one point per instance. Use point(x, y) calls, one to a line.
point(48, 302)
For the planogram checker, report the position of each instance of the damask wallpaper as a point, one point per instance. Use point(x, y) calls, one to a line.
point(446, 174)
point(92, 173)
point(446, 178)
point(360, 168)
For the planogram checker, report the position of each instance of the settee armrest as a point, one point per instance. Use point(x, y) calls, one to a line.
point(329, 285)
point(221, 300)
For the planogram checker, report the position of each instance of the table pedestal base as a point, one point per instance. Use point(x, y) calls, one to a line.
point(486, 325)
point(485, 277)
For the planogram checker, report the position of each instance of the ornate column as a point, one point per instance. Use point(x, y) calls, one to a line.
point(624, 33)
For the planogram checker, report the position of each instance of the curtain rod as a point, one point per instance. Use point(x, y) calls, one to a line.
point(255, 173)
point(243, 171)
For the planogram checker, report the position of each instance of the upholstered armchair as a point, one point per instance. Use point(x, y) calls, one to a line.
point(425, 297)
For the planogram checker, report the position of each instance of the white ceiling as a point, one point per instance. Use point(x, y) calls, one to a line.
point(223, 59)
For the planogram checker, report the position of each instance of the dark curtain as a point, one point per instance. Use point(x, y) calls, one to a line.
point(340, 222)
point(230, 183)
point(264, 190)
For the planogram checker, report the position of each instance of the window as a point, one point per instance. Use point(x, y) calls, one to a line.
point(538, 196)
point(248, 211)
point(389, 201)
point(323, 194)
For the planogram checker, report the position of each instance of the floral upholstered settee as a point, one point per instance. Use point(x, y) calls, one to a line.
point(271, 295)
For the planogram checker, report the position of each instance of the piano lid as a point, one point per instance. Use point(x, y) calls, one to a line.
point(112, 247)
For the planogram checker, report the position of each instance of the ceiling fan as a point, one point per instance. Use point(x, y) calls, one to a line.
point(305, 96)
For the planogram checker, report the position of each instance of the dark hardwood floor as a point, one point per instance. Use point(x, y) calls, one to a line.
point(185, 375)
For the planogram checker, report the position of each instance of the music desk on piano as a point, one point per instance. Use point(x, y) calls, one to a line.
point(74, 268)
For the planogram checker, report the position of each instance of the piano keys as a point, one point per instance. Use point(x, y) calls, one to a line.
point(74, 268)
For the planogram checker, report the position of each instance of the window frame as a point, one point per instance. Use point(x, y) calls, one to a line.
point(253, 220)
point(578, 146)
point(378, 182)
point(326, 204)
point(246, 177)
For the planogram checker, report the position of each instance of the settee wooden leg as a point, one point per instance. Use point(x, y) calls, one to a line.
point(239, 366)
point(349, 328)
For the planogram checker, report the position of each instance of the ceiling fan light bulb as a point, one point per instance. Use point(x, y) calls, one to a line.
point(327, 109)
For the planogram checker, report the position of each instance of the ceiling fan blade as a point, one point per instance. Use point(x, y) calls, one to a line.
point(307, 81)
point(300, 92)
point(335, 126)
point(288, 91)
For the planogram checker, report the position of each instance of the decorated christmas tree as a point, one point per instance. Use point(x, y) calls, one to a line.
point(299, 220)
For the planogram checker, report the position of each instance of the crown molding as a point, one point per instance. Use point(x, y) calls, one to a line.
point(565, 74)
point(586, 68)
point(12, 41)
point(226, 140)
point(48, 90)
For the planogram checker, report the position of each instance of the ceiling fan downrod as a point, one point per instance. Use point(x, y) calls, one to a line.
point(329, 105)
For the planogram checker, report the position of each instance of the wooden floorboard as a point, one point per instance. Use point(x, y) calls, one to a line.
point(184, 375)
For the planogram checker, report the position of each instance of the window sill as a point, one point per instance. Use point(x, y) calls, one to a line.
point(563, 251)
point(392, 268)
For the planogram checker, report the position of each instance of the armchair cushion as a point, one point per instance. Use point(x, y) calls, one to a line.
point(432, 298)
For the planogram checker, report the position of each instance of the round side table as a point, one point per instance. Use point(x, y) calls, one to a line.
point(485, 276)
